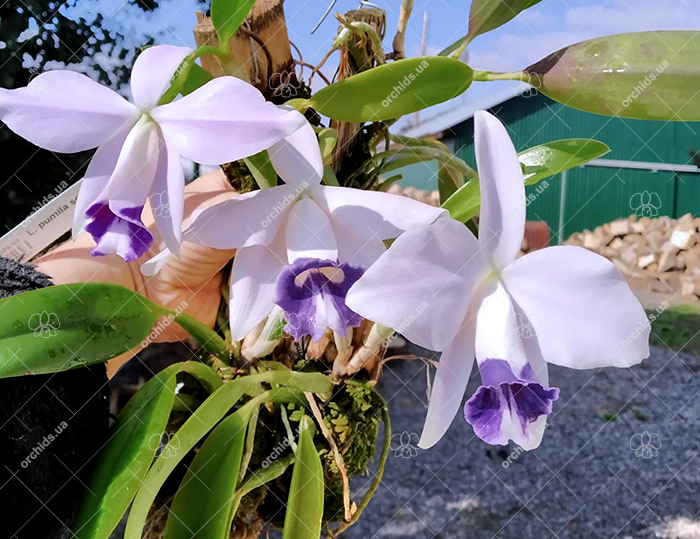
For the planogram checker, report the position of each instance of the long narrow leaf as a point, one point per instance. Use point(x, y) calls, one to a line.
point(305, 501)
point(124, 461)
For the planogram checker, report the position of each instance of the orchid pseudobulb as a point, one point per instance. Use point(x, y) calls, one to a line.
point(139, 145)
point(301, 245)
point(561, 305)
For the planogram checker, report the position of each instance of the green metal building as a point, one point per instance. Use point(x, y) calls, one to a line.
point(646, 156)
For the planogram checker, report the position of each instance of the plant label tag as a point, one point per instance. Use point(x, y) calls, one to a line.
point(50, 220)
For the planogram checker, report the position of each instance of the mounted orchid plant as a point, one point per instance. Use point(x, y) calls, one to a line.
point(327, 266)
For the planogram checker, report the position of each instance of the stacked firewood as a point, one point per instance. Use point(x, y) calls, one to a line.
point(655, 255)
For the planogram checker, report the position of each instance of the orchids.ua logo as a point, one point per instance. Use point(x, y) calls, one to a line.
point(529, 92)
point(44, 324)
point(645, 204)
point(645, 83)
point(164, 322)
point(160, 205)
point(404, 444)
point(645, 445)
point(402, 206)
point(167, 443)
point(397, 90)
point(284, 204)
point(285, 84)
point(43, 444)
point(641, 328)
point(527, 324)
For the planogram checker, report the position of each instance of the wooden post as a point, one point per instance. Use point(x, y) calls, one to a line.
point(260, 51)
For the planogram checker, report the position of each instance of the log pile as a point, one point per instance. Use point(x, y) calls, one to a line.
point(659, 255)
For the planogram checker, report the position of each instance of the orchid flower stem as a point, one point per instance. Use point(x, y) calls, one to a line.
point(487, 76)
point(456, 54)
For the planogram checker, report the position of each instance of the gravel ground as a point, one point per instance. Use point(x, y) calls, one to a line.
point(584, 481)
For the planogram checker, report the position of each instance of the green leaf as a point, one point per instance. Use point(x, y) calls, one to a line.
point(63, 327)
point(329, 177)
point(449, 180)
point(209, 413)
point(305, 500)
point(401, 157)
point(202, 505)
point(196, 78)
point(554, 157)
point(327, 140)
point(538, 163)
point(67, 326)
point(393, 90)
point(487, 15)
point(464, 204)
point(262, 170)
point(645, 75)
point(227, 16)
point(124, 461)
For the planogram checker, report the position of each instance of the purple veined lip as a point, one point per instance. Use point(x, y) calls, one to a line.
point(312, 293)
point(124, 234)
point(506, 406)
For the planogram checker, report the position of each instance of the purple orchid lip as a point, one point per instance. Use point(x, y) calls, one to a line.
point(506, 406)
point(312, 293)
point(123, 233)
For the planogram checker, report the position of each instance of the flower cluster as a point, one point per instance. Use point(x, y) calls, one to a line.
point(315, 256)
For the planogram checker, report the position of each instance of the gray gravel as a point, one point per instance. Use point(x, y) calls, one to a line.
point(584, 481)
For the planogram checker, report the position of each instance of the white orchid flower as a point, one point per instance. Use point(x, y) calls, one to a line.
point(472, 298)
point(139, 145)
point(300, 245)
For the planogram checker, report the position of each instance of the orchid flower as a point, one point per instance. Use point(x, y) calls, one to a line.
point(139, 145)
point(300, 245)
point(472, 298)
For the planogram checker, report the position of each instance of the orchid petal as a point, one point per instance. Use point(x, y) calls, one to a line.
point(312, 294)
point(587, 315)
point(509, 406)
point(309, 233)
point(96, 177)
point(250, 219)
point(449, 385)
point(253, 281)
point(497, 335)
point(297, 157)
point(116, 224)
point(135, 169)
point(374, 213)
point(168, 198)
point(223, 121)
point(152, 73)
point(423, 284)
point(502, 219)
point(65, 111)
point(156, 263)
point(355, 247)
